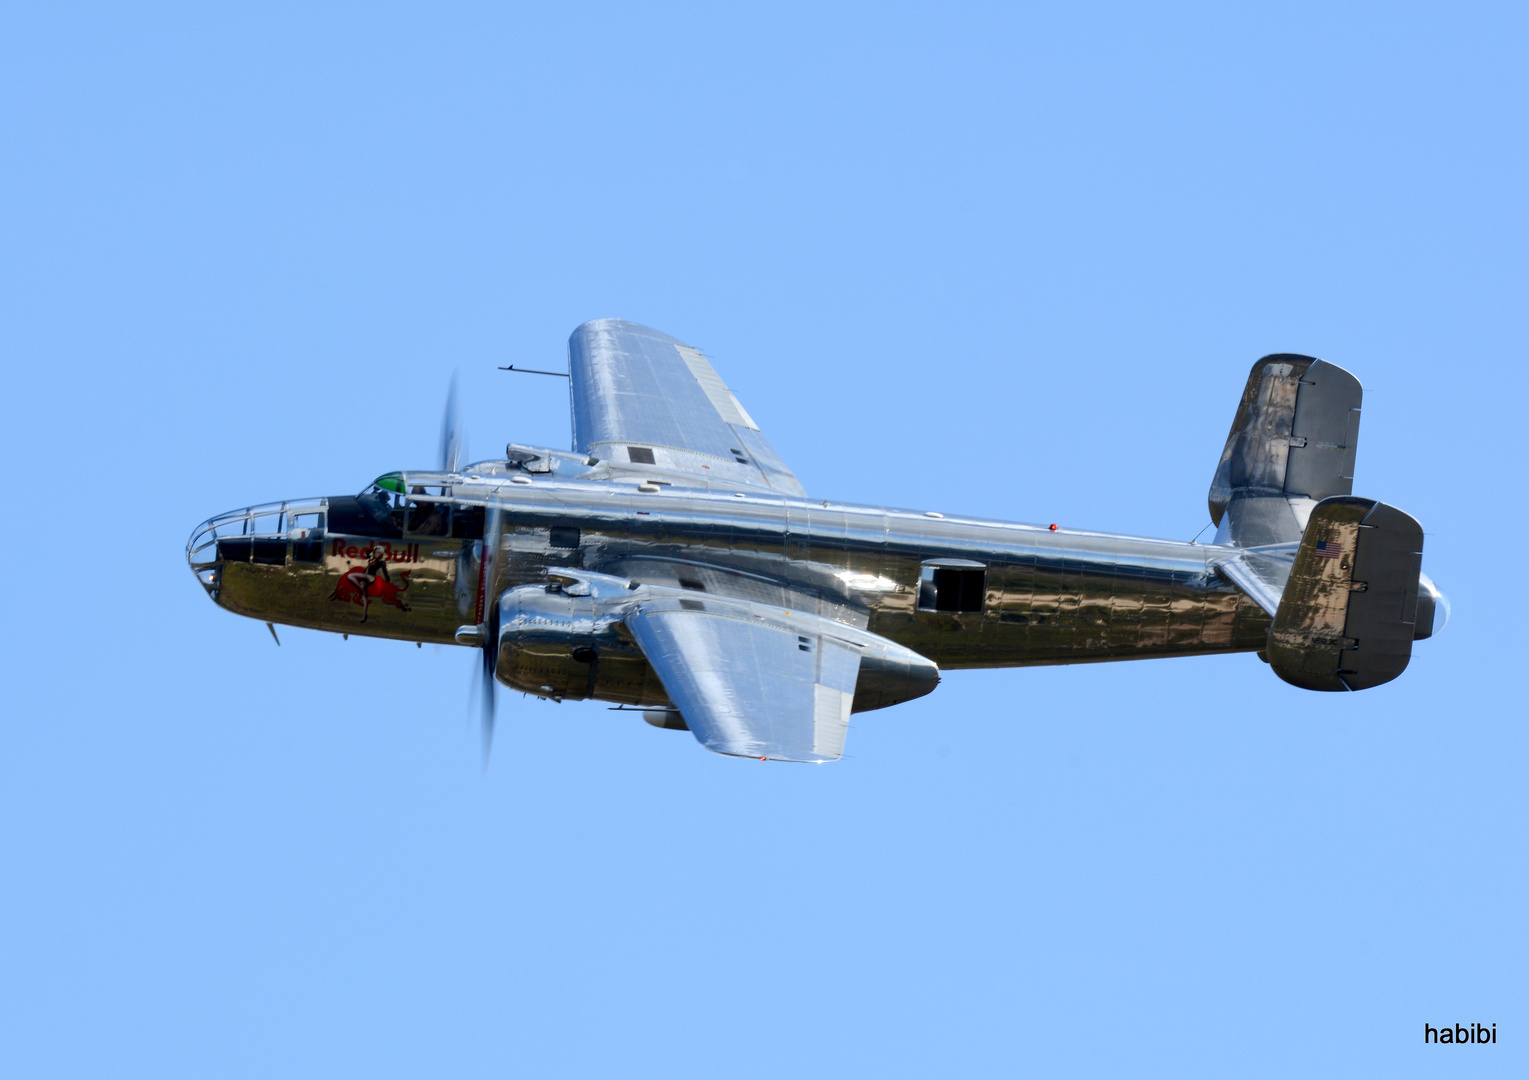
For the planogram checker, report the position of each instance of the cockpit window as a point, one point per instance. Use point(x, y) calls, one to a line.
point(383, 507)
point(427, 518)
point(368, 514)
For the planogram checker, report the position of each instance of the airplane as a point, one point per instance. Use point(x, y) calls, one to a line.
point(671, 563)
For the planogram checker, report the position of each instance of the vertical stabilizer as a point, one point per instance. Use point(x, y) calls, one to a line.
point(1292, 445)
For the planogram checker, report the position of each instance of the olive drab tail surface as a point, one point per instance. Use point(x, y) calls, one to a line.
point(1340, 576)
point(1292, 444)
point(1349, 611)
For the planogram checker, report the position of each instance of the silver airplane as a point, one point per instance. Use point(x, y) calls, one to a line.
point(672, 564)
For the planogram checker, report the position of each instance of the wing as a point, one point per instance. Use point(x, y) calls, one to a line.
point(643, 397)
point(748, 683)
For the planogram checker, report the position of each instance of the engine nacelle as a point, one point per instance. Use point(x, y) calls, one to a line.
point(563, 640)
point(555, 645)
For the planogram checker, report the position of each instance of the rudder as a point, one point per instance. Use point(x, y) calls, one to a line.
point(1347, 617)
point(1292, 444)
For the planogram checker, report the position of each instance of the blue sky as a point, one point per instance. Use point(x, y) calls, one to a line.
point(1012, 261)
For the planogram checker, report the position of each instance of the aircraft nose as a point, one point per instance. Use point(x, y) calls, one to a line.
point(258, 534)
point(1433, 609)
point(202, 553)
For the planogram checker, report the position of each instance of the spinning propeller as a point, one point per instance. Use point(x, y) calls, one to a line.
point(488, 630)
point(453, 440)
point(453, 450)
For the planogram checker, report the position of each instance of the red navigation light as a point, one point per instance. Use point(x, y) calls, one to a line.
point(1053, 526)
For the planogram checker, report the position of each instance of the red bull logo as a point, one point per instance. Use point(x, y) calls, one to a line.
point(405, 553)
point(373, 581)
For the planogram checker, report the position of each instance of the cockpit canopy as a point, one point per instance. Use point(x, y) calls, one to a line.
point(400, 504)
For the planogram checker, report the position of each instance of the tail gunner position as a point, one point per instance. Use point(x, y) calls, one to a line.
point(672, 562)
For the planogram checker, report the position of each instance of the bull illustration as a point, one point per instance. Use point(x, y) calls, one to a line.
point(362, 585)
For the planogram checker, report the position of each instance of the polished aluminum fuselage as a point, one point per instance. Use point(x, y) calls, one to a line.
point(1048, 596)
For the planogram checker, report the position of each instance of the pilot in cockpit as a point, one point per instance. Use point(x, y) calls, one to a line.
point(426, 519)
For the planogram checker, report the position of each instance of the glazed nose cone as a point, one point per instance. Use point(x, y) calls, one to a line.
point(254, 534)
point(202, 554)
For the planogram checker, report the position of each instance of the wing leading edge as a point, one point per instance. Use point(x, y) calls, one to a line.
point(758, 681)
point(643, 397)
point(751, 687)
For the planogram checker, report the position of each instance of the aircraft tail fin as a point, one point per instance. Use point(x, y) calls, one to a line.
point(1291, 445)
point(1349, 611)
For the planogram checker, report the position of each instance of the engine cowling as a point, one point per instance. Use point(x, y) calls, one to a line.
point(565, 640)
point(557, 645)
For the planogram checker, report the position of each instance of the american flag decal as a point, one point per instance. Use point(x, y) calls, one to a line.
point(1328, 550)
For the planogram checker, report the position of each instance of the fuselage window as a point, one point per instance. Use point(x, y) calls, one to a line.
point(564, 536)
point(639, 455)
point(952, 588)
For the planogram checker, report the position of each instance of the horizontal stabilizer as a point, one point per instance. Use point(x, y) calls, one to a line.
point(1347, 618)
